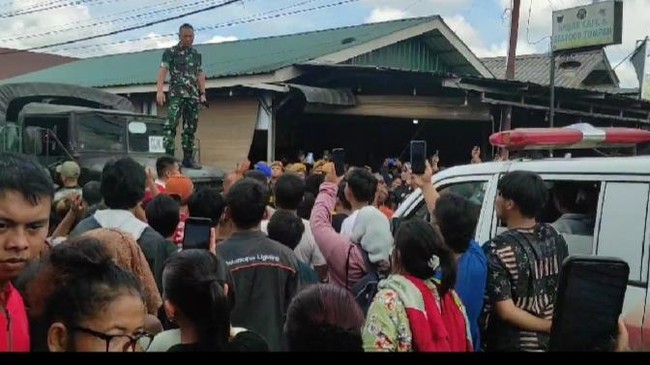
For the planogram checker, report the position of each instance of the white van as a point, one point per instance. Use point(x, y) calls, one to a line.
point(620, 189)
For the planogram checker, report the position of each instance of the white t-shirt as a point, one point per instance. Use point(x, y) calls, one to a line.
point(348, 224)
point(307, 250)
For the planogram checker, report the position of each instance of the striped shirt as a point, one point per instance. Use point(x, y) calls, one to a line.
point(523, 265)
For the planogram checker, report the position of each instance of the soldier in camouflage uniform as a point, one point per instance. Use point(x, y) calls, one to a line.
point(186, 90)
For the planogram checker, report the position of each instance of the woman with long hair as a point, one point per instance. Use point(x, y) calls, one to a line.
point(413, 311)
point(196, 296)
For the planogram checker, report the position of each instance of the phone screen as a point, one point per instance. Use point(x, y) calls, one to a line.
point(197, 233)
point(418, 157)
point(589, 302)
point(338, 157)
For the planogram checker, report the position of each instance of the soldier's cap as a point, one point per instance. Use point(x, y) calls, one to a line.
point(69, 169)
point(181, 186)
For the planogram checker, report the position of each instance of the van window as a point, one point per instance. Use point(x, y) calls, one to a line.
point(571, 209)
point(623, 222)
point(472, 190)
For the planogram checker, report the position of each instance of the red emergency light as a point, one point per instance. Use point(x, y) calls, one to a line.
point(575, 136)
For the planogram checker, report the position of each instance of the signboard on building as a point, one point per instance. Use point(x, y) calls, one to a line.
point(641, 62)
point(598, 24)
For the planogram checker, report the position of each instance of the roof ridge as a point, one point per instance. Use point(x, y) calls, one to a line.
point(411, 19)
point(545, 55)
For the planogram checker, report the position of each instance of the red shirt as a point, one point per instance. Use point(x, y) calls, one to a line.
point(180, 230)
point(148, 196)
point(14, 328)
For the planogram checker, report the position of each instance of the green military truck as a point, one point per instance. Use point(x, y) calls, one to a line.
point(59, 122)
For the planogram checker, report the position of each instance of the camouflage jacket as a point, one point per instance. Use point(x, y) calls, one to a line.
point(184, 67)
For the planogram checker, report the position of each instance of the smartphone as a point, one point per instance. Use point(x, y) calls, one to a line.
point(418, 157)
point(197, 233)
point(589, 303)
point(338, 157)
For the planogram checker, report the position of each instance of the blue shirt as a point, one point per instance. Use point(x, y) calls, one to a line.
point(471, 279)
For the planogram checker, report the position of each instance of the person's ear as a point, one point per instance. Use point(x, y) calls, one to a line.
point(170, 310)
point(57, 337)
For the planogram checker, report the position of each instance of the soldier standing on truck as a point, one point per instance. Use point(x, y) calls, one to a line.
point(186, 90)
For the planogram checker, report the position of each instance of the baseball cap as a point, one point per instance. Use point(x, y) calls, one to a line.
point(181, 186)
point(264, 168)
point(69, 169)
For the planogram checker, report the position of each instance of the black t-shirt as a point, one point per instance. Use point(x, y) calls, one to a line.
point(337, 221)
point(246, 341)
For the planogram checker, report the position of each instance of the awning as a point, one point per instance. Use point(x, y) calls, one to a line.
point(319, 95)
point(313, 95)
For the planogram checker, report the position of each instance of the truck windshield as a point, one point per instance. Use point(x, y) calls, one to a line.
point(106, 132)
point(101, 132)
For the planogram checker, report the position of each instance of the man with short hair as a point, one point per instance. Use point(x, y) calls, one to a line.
point(208, 203)
point(166, 167)
point(265, 272)
point(122, 187)
point(186, 91)
point(26, 193)
point(163, 215)
point(360, 191)
point(69, 173)
point(181, 188)
point(288, 229)
point(523, 268)
point(289, 192)
point(456, 217)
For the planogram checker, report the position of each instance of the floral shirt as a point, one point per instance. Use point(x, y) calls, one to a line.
point(387, 326)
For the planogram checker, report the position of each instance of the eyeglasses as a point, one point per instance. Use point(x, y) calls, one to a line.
point(120, 343)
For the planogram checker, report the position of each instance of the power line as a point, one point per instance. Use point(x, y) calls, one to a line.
point(52, 6)
point(255, 18)
point(94, 20)
point(530, 8)
point(202, 10)
point(110, 21)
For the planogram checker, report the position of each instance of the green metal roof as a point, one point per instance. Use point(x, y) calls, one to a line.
point(252, 56)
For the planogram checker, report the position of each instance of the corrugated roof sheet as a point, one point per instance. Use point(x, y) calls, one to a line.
point(19, 63)
point(252, 56)
point(535, 68)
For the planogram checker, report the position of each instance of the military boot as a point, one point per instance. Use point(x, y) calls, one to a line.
point(189, 162)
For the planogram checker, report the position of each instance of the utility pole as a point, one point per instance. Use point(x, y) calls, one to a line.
point(506, 117)
point(506, 112)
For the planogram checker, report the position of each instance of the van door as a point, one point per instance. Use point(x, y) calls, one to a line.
point(475, 188)
point(621, 231)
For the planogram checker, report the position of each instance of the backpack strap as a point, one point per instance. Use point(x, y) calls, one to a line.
point(370, 267)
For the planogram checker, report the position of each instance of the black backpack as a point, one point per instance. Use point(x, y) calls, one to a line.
point(366, 288)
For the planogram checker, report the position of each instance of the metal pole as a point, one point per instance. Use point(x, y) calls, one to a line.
point(512, 56)
point(551, 112)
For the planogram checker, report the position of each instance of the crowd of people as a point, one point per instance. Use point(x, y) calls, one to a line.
point(298, 259)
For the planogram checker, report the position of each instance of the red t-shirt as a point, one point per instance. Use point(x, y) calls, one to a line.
point(180, 230)
point(148, 196)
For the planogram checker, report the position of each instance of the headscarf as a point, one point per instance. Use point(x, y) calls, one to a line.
point(129, 256)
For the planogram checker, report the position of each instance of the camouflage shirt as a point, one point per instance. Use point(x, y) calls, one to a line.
point(184, 67)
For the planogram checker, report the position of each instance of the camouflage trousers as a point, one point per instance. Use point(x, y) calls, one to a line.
point(188, 109)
